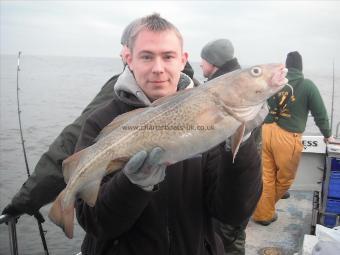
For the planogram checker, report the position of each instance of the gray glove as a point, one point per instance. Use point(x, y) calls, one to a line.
point(144, 170)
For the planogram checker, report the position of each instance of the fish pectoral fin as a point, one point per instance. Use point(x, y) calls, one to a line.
point(118, 121)
point(90, 193)
point(209, 116)
point(231, 112)
point(236, 140)
point(62, 217)
point(70, 164)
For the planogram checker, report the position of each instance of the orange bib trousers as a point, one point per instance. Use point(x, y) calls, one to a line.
point(281, 153)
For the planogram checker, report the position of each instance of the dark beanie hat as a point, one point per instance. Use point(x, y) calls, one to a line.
point(294, 60)
point(127, 32)
point(218, 52)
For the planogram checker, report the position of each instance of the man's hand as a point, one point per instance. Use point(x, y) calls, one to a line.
point(144, 170)
point(329, 139)
point(11, 210)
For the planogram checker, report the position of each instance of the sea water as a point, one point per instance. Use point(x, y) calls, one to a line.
point(53, 92)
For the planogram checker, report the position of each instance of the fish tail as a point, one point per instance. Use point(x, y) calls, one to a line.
point(63, 216)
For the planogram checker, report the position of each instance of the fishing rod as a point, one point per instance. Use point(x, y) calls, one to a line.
point(19, 116)
point(40, 219)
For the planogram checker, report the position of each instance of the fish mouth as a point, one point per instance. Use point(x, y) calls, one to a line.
point(279, 78)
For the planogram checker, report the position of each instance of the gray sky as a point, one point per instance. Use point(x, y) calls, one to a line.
point(261, 31)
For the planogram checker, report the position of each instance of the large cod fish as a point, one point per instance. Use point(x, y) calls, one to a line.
point(183, 124)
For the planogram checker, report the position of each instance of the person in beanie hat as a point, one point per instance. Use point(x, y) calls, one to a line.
point(218, 59)
point(218, 52)
point(281, 136)
point(294, 60)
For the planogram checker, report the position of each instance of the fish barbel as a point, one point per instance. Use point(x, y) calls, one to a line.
point(184, 124)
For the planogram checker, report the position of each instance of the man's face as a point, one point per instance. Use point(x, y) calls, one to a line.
point(207, 68)
point(157, 61)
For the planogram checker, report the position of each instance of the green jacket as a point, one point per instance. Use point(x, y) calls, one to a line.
point(290, 108)
point(47, 175)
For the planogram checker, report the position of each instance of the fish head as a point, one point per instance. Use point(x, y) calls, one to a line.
point(252, 86)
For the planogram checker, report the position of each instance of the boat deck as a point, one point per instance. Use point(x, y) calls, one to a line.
point(285, 235)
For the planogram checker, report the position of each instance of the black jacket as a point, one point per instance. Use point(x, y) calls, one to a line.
point(227, 67)
point(175, 219)
point(47, 180)
point(245, 173)
point(251, 176)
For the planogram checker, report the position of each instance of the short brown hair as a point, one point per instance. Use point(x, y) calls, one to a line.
point(154, 23)
point(127, 32)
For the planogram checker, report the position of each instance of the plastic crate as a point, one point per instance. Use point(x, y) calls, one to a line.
point(333, 206)
point(335, 164)
point(334, 185)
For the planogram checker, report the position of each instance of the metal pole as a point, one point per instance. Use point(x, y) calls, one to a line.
point(332, 110)
point(40, 219)
point(13, 236)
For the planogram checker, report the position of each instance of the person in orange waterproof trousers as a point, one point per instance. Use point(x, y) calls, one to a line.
point(281, 136)
point(280, 159)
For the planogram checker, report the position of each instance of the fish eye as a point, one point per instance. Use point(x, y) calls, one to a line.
point(256, 71)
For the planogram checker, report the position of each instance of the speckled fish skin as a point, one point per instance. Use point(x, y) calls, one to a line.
point(183, 125)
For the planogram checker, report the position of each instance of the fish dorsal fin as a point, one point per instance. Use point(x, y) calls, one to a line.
point(118, 121)
point(167, 98)
point(236, 140)
point(90, 192)
point(70, 164)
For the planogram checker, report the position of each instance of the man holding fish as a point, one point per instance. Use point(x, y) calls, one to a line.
point(141, 191)
point(43, 186)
